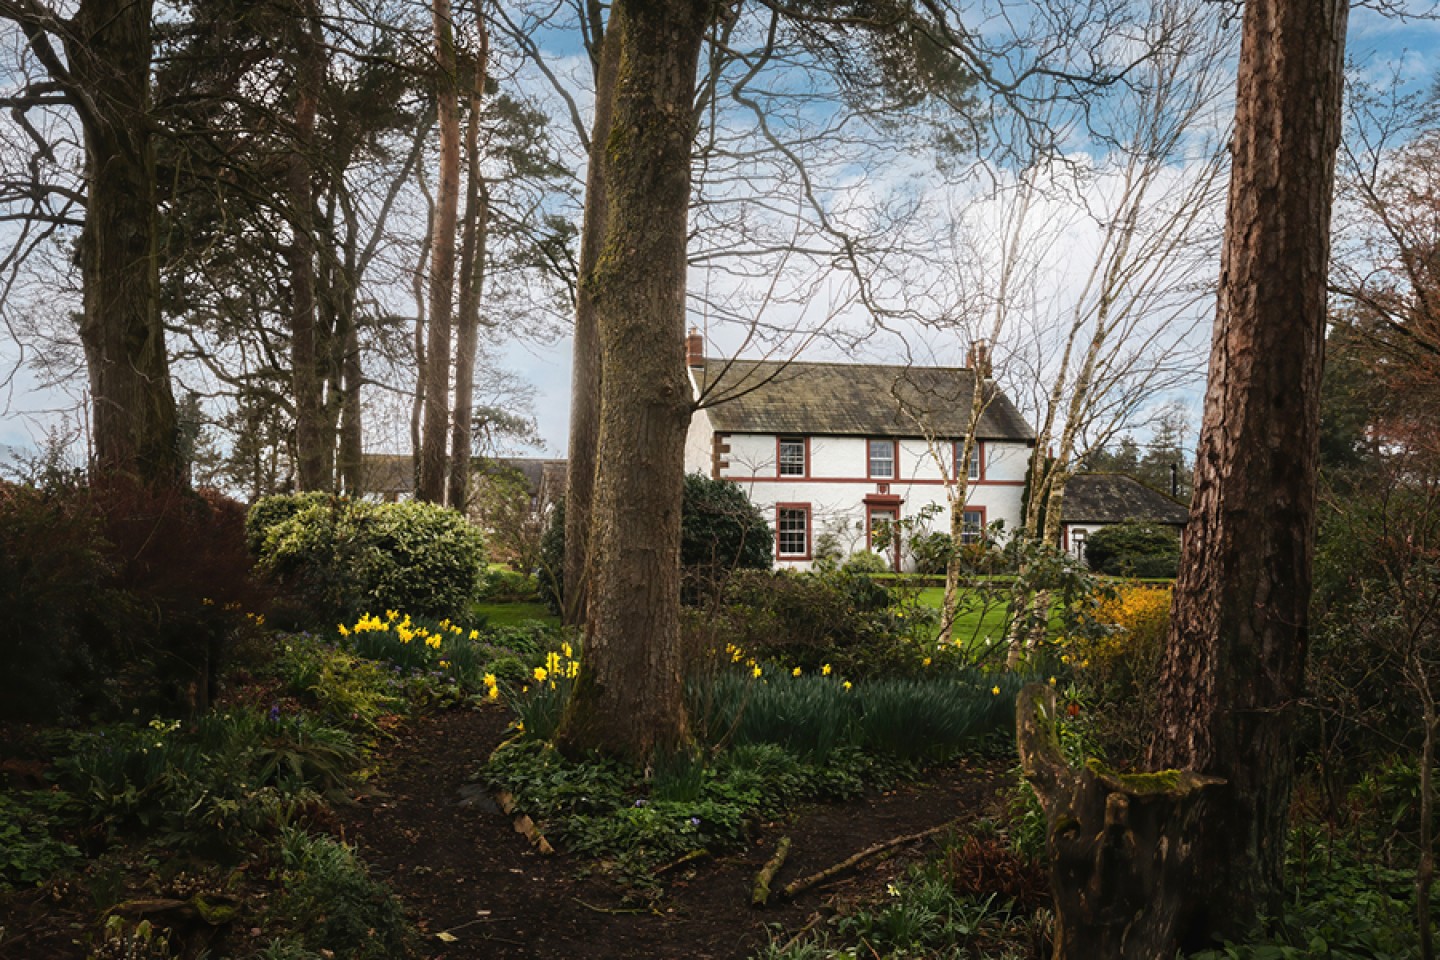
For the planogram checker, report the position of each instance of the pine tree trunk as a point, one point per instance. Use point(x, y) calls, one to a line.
point(134, 421)
point(472, 284)
point(1234, 660)
point(627, 699)
point(434, 431)
point(585, 370)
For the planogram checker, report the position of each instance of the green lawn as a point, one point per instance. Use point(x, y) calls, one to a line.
point(511, 614)
point(977, 620)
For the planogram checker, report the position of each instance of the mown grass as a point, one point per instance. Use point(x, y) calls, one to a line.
point(514, 614)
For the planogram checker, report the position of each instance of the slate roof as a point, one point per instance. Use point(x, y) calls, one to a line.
point(1115, 498)
point(851, 399)
point(394, 474)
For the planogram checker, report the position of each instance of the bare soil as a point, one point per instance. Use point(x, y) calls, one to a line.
point(464, 872)
point(477, 889)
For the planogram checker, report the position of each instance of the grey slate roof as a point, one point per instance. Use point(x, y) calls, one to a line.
point(1115, 498)
point(852, 400)
point(394, 473)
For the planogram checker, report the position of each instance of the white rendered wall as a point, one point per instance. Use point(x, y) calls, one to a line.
point(837, 485)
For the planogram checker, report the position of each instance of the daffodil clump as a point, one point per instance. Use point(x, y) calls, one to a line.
point(446, 648)
point(540, 698)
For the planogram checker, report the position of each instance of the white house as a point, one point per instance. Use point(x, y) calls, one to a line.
point(827, 449)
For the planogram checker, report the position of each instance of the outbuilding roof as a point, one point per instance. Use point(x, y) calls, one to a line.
point(852, 399)
point(1116, 498)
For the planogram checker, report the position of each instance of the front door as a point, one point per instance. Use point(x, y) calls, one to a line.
point(881, 521)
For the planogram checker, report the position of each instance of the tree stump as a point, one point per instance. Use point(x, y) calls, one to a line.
point(1121, 863)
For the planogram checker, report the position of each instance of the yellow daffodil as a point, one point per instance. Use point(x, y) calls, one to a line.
point(493, 693)
point(569, 652)
point(925, 662)
point(344, 632)
point(795, 672)
point(1052, 681)
point(540, 674)
point(825, 670)
point(847, 685)
point(488, 680)
point(444, 664)
point(755, 671)
point(474, 634)
point(995, 690)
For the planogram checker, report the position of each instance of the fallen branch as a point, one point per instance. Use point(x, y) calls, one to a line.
point(610, 910)
point(815, 879)
point(697, 854)
point(815, 920)
point(760, 893)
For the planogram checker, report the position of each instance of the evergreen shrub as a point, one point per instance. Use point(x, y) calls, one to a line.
point(343, 558)
point(721, 531)
point(1134, 549)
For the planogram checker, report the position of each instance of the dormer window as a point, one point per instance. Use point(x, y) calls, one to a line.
point(791, 456)
point(882, 459)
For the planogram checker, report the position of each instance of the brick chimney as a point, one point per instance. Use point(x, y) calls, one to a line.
point(695, 349)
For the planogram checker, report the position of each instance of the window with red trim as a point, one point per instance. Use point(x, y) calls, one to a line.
point(791, 455)
point(792, 530)
point(882, 459)
point(976, 465)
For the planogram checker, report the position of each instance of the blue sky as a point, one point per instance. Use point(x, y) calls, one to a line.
point(1377, 47)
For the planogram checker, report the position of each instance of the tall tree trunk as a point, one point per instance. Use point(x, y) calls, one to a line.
point(472, 280)
point(586, 364)
point(627, 699)
point(307, 352)
point(1235, 656)
point(417, 290)
point(430, 484)
point(1146, 864)
point(134, 427)
point(351, 462)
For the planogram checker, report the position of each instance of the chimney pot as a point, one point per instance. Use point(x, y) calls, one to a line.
point(695, 349)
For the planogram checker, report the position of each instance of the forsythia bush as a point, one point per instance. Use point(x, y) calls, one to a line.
point(342, 557)
point(1115, 670)
point(1140, 615)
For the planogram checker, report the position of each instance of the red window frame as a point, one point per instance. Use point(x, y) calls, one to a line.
point(809, 533)
point(804, 473)
point(984, 523)
point(894, 458)
point(979, 457)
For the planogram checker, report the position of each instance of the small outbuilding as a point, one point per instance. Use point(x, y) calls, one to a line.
point(1096, 500)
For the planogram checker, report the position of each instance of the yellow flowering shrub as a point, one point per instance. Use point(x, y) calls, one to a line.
point(1138, 616)
point(1115, 668)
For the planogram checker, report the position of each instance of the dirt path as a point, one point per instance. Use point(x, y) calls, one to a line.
point(462, 869)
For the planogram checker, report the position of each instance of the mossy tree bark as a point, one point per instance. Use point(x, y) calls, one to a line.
point(627, 699)
point(1234, 660)
point(106, 77)
point(1121, 863)
point(309, 343)
point(585, 371)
